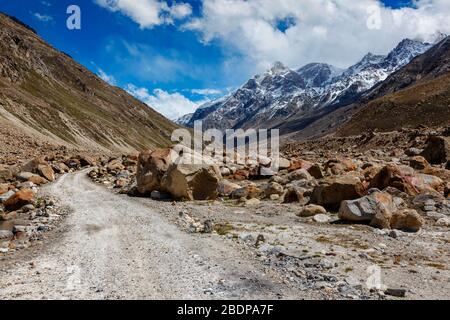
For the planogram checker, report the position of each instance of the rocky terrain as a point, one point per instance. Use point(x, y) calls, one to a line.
point(93, 205)
point(364, 217)
point(337, 207)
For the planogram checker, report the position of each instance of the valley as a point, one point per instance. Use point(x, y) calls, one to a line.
point(355, 207)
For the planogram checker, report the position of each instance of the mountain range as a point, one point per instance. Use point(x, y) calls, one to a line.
point(295, 100)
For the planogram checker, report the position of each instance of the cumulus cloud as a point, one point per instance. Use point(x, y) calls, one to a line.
point(298, 32)
point(42, 17)
point(106, 77)
point(171, 105)
point(148, 13)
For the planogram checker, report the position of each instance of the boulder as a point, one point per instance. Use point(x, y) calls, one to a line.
point(192, 181)
point(418, 163)
point(6, 196)
point(272, 188)
point(46, 171)
point(225, 187)
point(151, 167)
point(32, 165)
point(19, 199)
point(247, 192)
point(115, 165)
point(407, 220)
point(394, 176)
point(364, 209)
point(295, 195)
point(299, 164)
point(311, 210)
point(86, 161)
point(340, 166)
point(283, 163)
point(437, 150)
point(335, 190)
point(34, 178)
point(37, 180)
point(300, 174)
point(225, 172)
point(424, 182)
point(382, 218)
point(316, 171)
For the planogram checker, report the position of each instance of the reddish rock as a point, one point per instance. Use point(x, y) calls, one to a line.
point(333, 191)
point(407, 219)
point(418, 163)
point(46, 171)
point(299, 164)
point(20, 199)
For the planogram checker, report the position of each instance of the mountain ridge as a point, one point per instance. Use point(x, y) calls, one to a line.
point(291, 99)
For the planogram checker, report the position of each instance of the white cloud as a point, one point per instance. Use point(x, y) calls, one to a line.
point(148, 13)
point(42, 17)
point(171, 105)
point(206, 92)
point(107, 78)
point(337, 32)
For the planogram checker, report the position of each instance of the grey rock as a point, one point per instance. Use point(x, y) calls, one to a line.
point(6, 234)
point(6, 196)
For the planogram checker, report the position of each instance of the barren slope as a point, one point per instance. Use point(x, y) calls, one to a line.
point(43, 90)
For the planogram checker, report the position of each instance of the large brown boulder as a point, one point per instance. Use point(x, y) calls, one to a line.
point(394, 176)
point(192, 181)
point(18, 200)
point(437, 150)
point(151, 167)
point(331, 193)
point(46, 171)
point(226, 187)
point(41, 167)
point(32, 165)
point(407, 219)
point(340, 166)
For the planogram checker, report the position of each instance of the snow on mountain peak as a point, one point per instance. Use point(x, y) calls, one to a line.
point(280, 93)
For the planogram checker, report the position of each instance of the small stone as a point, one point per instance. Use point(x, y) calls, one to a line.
point(311, 210)
point(252, 202)
point(394, 234)
point(274, 197)
point(443, 222)
point(400, 293)
point(321, 218)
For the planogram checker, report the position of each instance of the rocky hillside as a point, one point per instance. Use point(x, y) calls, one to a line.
point(47, 96)
point(418, 94)
point(292, 99)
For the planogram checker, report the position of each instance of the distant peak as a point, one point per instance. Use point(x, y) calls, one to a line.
point(278, 67)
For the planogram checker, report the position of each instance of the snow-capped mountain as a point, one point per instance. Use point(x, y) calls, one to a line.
point(282, 95)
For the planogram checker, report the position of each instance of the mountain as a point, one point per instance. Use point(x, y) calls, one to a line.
point(418, 94)
point(46, 95)
point(293, 99)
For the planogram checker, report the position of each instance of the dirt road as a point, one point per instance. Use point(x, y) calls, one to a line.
point(113, 247)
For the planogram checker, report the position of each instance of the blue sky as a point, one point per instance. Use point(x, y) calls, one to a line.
point(193, 51)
